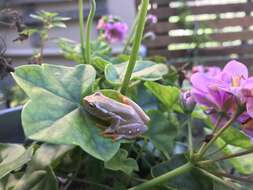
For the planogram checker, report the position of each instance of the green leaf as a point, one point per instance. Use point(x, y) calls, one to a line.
point(243, 164)
point(47, 155)
point(144, 70)
point(161, 132)
point(38, 180)
point(187, 181)
point(100, 48)
point(71, 50)
point(13, 157)
point(58, 91)
point(99, 63)
point(121, 162)
point(39, 174)
point(168, 95)
point(234, 136)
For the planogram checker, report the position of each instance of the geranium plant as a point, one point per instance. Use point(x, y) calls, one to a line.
point(198, 136)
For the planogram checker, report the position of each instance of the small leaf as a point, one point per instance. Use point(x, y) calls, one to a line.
point(100, 63)
point(30, 181)
point(47, 155)
point(234, 136)
point(58, 91)
point(161, 132)
point(38, 180)
point(168, 95)
point(143, 70)
point(70, 50)
point(122, 163)
point(243, 164)
point(13, 157)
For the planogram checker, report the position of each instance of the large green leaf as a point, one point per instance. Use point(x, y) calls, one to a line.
point(161, 132)
point(121, 162)
point(168, 95)
point(143, 70)
point(12, 157)
point(54, 113)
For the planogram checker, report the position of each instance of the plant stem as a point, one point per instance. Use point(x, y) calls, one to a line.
point(215, 137)
point(216, 151)
point(218, 179)
point(132, 33)
point(242, 153)
point(136, 45)
point(242, 179)
point(91, 183)
point(81, 27)
point(160, 180)
point(190, 142)
point(88, 31)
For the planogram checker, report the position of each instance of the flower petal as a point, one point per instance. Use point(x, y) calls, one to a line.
point(249, 106)
point(235, 68)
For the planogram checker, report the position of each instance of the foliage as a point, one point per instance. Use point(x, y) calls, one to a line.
point(181, 149)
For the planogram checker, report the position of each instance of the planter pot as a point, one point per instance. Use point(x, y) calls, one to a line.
point(11, 130)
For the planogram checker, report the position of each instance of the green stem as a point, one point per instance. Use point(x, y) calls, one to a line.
point(190, 142)
point(216, 136)
point(218, 179)
point(88, 31)
point(81, 27)
point(132, 33)
point(136, 45)
point(160, 180)
point(238, 154)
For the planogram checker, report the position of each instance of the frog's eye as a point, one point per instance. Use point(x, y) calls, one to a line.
point(98, 94)
point(92, 105)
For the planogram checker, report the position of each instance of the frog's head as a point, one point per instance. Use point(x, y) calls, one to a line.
point(94, 104)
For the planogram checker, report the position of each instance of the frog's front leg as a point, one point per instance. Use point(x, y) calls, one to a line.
point(116, 120)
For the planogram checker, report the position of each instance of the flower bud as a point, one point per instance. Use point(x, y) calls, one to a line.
point(152, 19)
point(187, 101)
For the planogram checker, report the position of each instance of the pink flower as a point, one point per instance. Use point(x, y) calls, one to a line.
point(101, 24)
point(211, 71)
point(225, 91)
point(115, 32)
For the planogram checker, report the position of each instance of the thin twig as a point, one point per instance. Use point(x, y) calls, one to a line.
point(242, 179)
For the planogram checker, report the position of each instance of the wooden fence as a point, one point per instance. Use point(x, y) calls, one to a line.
point(225, 26)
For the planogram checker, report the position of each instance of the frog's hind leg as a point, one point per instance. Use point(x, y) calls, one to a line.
point(100, 126)
point(114, 137)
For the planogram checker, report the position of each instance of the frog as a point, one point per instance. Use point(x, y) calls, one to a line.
point(126, 119)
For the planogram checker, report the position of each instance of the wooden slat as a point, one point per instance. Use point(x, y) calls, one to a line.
point(214, 62)
point(163, 27)
point(164, 12)
point(164, 40)
point(219, 51)
point(22, 2)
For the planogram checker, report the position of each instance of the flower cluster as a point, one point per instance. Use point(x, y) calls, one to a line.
point(112, 29)
point(225, 92)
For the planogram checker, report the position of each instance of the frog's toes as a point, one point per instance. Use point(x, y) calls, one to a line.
point(100, 126)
